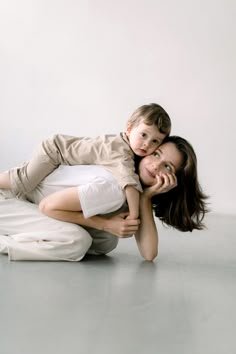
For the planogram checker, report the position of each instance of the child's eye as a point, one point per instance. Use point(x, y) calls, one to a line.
point(143, 135)
point(168, 168)
point(155, 141)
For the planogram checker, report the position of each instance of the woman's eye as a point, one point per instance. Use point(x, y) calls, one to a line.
point(143, 135)
point(168, 168)
point(155, 154)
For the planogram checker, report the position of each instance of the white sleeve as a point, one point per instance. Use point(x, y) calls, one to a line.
point(102, 196)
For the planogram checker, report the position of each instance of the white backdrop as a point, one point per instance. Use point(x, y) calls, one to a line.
point(81, 67)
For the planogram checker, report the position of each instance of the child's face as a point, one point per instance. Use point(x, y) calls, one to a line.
point(165, 160)
point(144, 139)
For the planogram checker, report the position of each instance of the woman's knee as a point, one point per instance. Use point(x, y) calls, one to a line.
point(103, 242)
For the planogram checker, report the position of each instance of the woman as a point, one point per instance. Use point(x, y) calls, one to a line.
point(171, 168)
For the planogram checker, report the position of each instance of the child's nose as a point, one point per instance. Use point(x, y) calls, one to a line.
point(147, 144)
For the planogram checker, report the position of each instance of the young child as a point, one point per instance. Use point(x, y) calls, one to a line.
point(145, 131)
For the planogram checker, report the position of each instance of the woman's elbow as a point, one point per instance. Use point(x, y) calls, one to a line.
point(150, 256)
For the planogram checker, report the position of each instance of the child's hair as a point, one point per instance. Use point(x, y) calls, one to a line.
point(152, 114)
point(184, 206)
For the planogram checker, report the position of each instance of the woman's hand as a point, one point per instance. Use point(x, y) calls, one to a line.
point(164, 183)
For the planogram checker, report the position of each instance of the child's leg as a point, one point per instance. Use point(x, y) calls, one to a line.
point(5, 180)
point(55, 151)
point(26, 177)
point(47, 157)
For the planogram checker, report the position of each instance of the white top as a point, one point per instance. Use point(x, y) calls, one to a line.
point(99, 192)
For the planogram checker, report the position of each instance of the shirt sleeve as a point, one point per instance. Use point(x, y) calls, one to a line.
point(100, 197)
point(124, 172)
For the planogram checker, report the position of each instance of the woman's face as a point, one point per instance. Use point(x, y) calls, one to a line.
point(166, 159)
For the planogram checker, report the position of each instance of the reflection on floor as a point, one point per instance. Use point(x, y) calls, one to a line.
point(183, 303)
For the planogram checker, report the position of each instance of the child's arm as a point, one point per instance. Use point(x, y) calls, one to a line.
point(132, 196)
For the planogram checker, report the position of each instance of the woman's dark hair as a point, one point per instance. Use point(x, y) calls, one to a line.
point(184, 206)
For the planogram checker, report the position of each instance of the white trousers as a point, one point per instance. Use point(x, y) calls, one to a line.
point(27, 234)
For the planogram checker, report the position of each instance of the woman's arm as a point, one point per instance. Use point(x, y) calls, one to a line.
point(65, 205)
point(65, 199)
point(147, 234)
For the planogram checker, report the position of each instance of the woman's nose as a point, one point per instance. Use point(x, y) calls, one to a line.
point(155, 166)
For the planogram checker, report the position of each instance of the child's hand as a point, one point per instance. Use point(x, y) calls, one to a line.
point(121, 226)
point(131, 217)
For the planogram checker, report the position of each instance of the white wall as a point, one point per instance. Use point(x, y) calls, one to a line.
point(81, 67)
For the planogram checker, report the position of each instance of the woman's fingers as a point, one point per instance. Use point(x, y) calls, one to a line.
point(168, 181)
point(173, 180)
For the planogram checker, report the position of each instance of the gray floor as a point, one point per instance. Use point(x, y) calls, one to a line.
point(184, 302)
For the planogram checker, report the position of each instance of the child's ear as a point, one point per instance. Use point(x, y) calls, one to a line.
point(128, 128)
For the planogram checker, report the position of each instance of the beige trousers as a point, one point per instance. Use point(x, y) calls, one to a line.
point(26, 234)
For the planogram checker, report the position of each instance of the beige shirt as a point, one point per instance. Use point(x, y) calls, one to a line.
point(111, 151)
